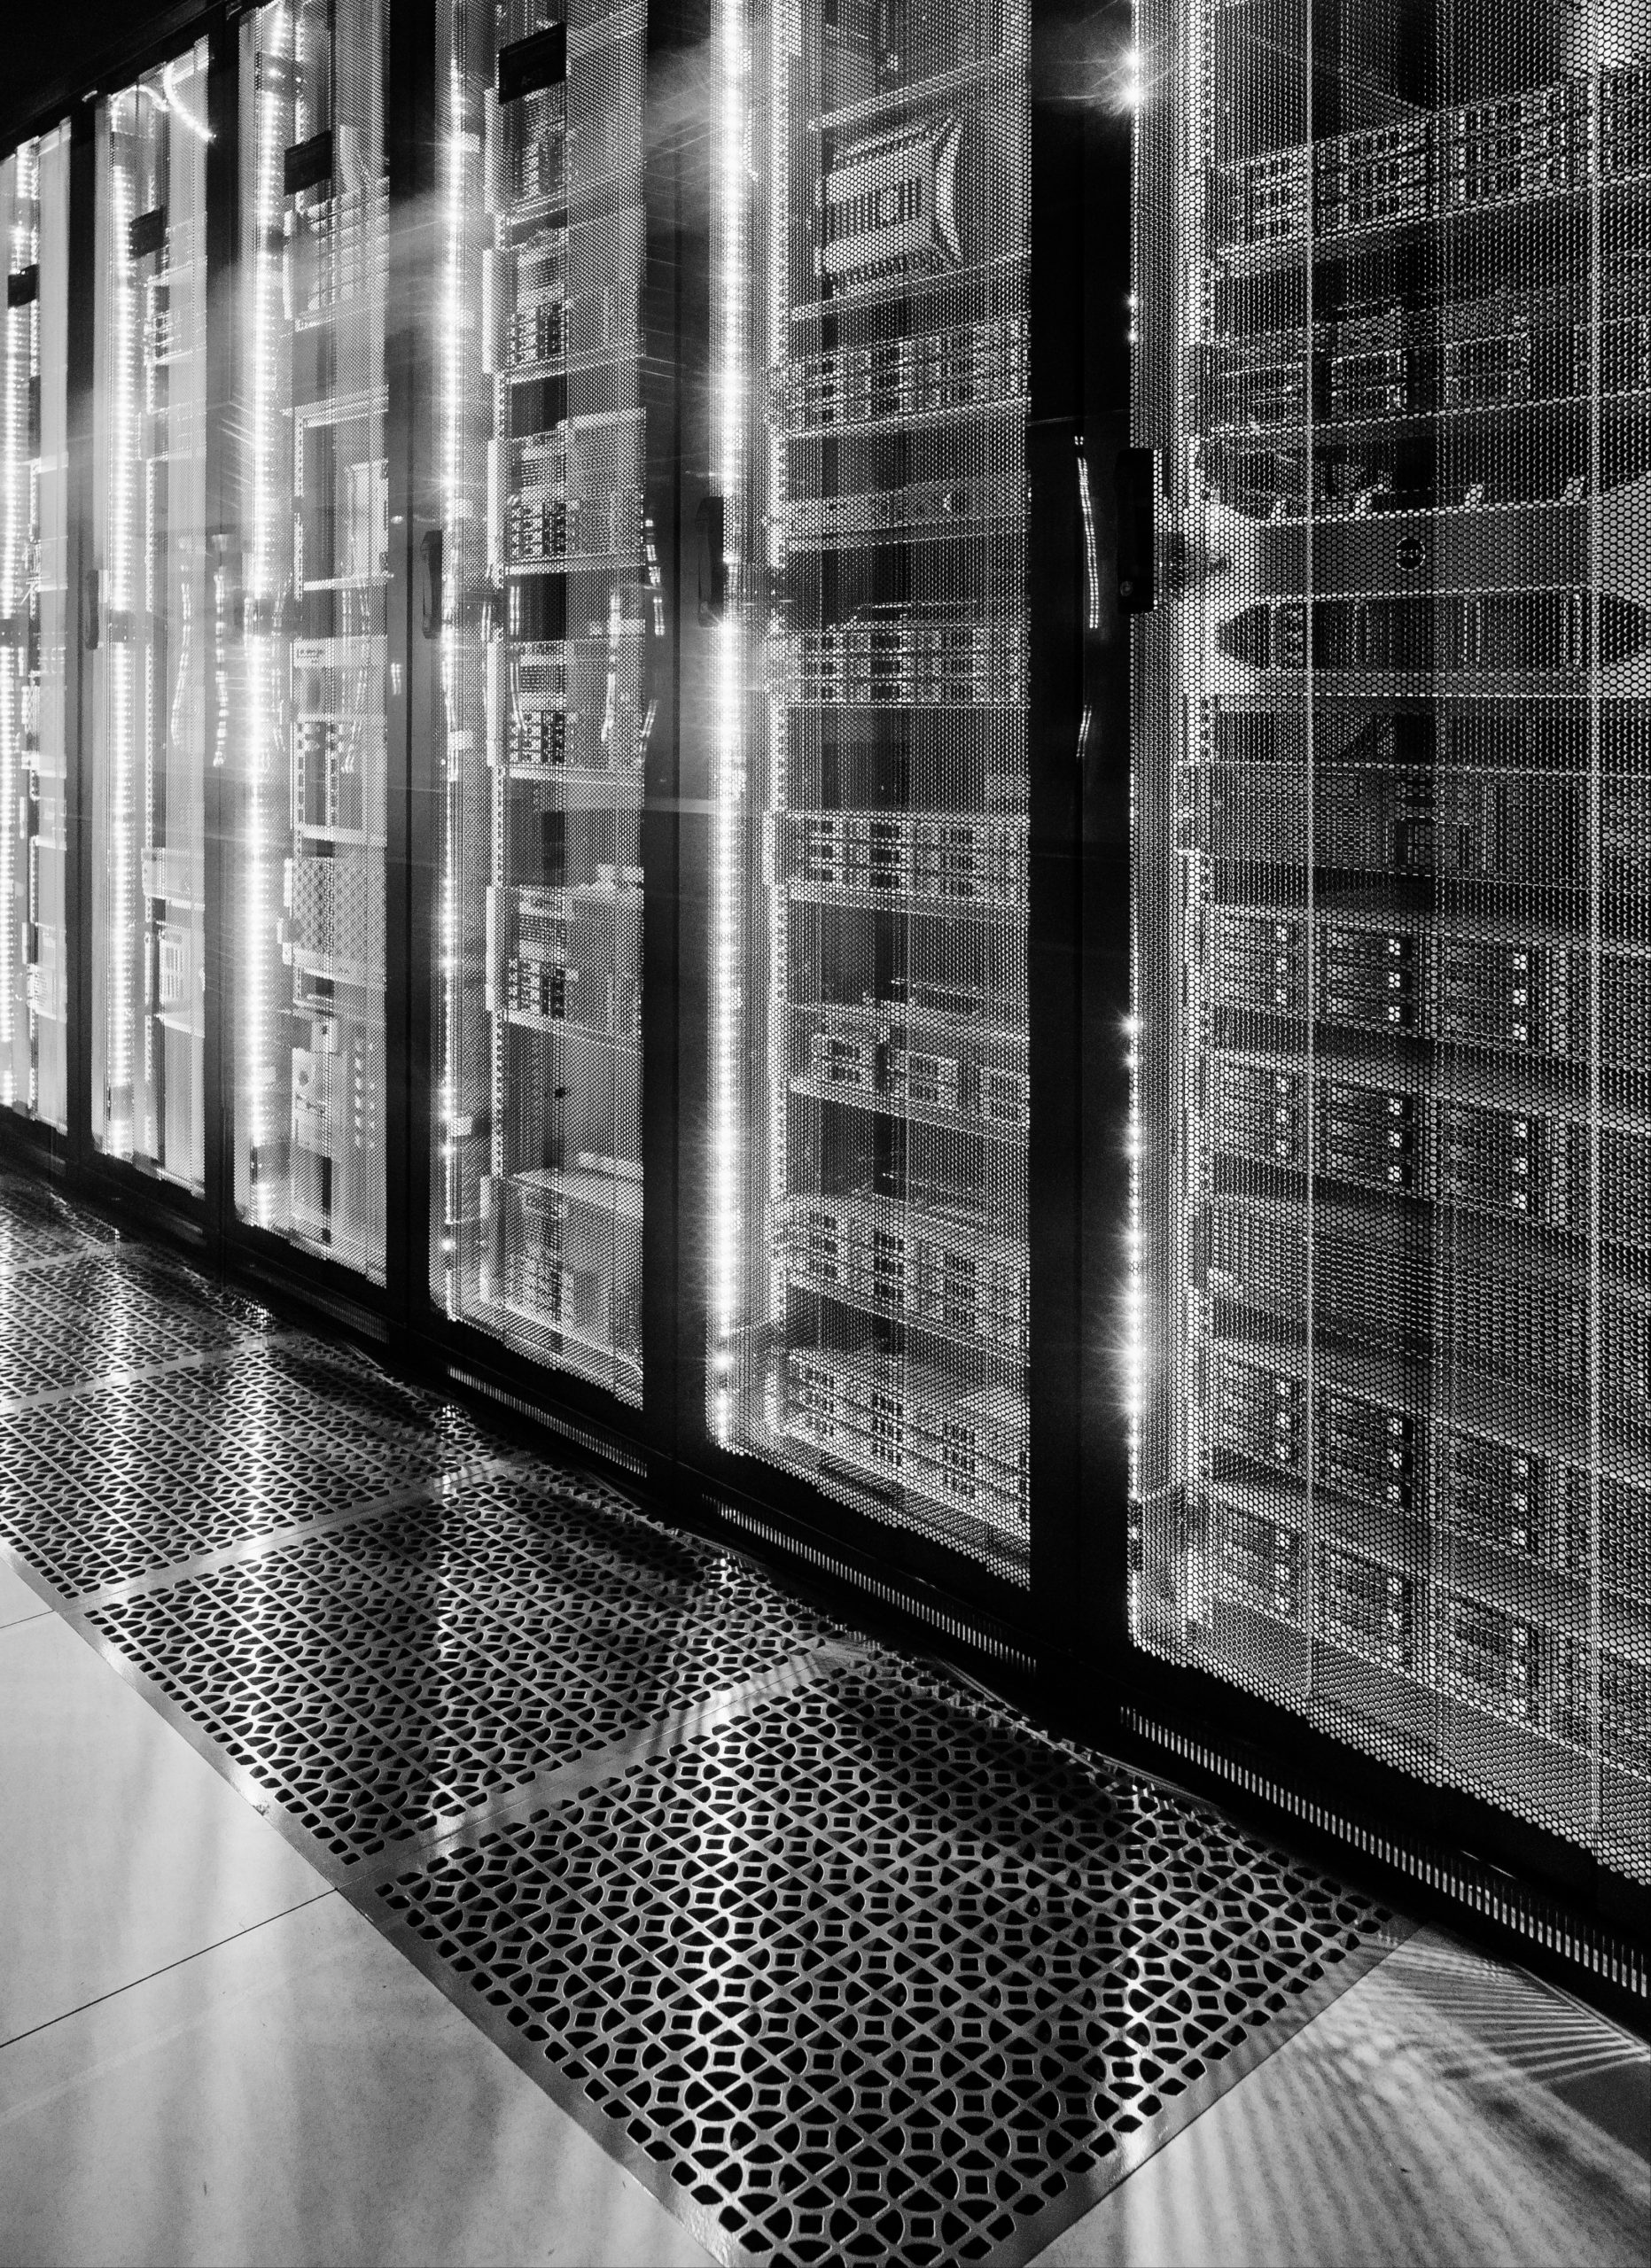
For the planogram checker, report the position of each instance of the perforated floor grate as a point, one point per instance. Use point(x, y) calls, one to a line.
point(874, 1974)
point(851, 1966)
point(111, 1310)
point(122, 1480)
point(34, 1223)
point(377, 1677)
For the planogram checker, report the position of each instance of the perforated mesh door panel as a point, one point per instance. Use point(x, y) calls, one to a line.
point(306, 932)
point(871, 1973)
point(131, 1479)
point(413, 1665)
point(1394, 1468)
point(34, 578)
point(152, 663)
point(551, 644)
point(870, 1081)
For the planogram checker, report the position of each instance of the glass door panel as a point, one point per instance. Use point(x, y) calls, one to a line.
point(869, 1043)
point(152, 616)
point(1392, 786)
point(304, 925)
point(549, 637)
point(34, 619)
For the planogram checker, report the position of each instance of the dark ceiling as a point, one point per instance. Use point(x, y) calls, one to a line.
point(52, 49)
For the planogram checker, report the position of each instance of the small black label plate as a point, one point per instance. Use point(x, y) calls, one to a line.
point(529, 65)
point(23, 288)
point(148, 233)
point(309, 164)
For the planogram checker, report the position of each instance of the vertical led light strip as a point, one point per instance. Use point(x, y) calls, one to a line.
point(447, 945)
point(13, 492)
point(255, 1071)
point(729, 348)
point(121, 941)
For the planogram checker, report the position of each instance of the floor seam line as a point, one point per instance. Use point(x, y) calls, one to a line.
point(376, 1872)
point(142, 1374)
point(165, 1968)
point(247, 1550)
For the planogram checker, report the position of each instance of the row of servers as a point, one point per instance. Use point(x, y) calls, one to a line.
point(550, 490)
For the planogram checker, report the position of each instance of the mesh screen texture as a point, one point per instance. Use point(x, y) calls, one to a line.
point(1393, 1467)
point(33, 580)
point(307, 667)
point(550, 641)
point(152, 667)
point(869, 1062)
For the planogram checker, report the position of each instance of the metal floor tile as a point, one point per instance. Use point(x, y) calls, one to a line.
point(378, 1678)
point(841, 1959)
point(124, 1480)
point(876, 1974)
point(112, 1309)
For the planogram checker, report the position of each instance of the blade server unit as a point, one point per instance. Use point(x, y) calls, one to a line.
point(148, 621)
point(1393, 1463)
point(552, 622)
point(306, 942)
point(867, 1192)
point(33, 623)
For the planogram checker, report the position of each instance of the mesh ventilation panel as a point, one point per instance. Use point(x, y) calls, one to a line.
point(550, 638)
point(152, 663)
point(869, 1065)
point(33, 590)
point(1394, 795)
point(307, 927)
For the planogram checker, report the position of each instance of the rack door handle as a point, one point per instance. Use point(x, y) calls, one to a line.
point(430, 581)
point(91, 609)
point(1137, 502)
point(711, 529)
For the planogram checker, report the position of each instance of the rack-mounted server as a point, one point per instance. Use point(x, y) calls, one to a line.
point(552, 633)
point(33, 628)
point(1393, 1456)
point(306, 942)
point(870, 1093)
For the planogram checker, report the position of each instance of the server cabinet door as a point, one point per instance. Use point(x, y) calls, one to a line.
point(868, 1145)
point(1394, 1456)
point(148, 619)
point(305, 926)
point(547, 594)
point(33, 624)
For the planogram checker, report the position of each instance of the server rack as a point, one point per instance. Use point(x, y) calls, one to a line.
point(34, 630)
point(868, 1296)
point(147, 623)
point(553, 637)
point(304, 948)
point(1392, 1457)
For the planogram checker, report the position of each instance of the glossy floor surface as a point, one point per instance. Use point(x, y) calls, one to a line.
point(412, 1854)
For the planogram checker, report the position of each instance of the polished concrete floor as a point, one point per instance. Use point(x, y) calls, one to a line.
point(214, 2047)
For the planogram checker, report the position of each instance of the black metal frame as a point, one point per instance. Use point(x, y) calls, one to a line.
point(1063, 1646)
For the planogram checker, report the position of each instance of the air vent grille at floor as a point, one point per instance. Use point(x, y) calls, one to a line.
point(409, 1667)
point(874, 1973)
